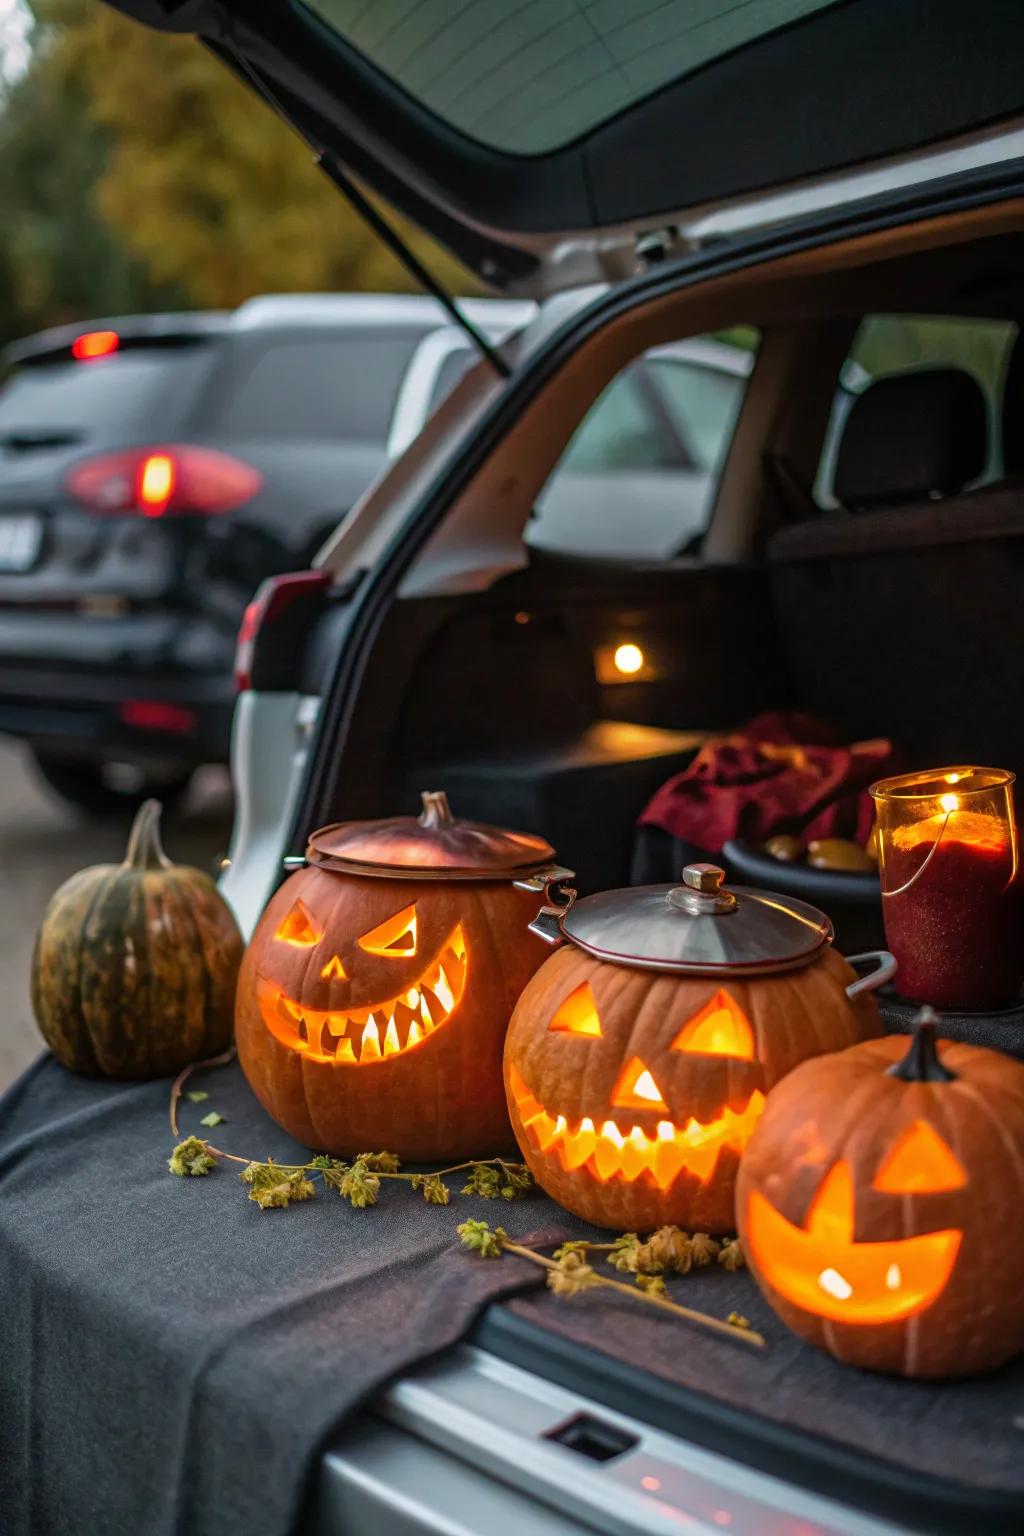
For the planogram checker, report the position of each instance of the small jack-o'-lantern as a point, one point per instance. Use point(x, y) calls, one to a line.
point(639, 1056)
point(374, 997)
point(879, 1204)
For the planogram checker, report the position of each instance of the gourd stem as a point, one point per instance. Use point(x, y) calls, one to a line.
point(921, 1064)
point(145, 850)
point(436, 810)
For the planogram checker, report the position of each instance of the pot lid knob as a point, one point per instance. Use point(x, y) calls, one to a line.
point(701, 893)
point(436, 811)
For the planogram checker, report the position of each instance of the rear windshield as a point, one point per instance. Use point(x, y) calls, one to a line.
point(142, 389)
point(530, 75)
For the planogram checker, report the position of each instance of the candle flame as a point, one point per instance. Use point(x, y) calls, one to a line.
point(949, 803)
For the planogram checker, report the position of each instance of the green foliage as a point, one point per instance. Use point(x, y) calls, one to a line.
point(59, 258)
point(136, 174)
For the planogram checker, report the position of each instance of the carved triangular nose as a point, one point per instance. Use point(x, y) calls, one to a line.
point(636, 1088)
point(333, 970)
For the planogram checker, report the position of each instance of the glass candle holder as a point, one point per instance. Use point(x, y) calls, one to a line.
point(951, 891)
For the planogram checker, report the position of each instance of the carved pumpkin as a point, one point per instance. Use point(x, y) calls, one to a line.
point(879, 1205)
point(134, 969)
point(633, 1091)
point(372, 1009)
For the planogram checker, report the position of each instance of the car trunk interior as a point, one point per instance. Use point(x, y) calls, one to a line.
point(890, 615)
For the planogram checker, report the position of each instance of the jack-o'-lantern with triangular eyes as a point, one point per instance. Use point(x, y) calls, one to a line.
point(374, 997)
point(638, 1058)
point(879, 1205)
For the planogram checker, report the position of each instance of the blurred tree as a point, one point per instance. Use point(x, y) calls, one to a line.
point(59, 259)
point(203, 183)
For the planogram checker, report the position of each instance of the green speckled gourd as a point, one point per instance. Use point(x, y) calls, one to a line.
point(135, 965)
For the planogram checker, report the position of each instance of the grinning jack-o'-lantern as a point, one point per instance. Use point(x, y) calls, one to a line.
point(879, 1204)
point(374, 997)
point(639, 1056)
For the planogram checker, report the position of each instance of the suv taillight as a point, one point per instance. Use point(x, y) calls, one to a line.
point(283, 610)
point(166, 480)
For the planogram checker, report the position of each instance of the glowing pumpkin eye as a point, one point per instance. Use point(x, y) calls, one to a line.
point(577, 1015)
point(395, 937)
point(920, 1163)
point(299, 928)
point(719, 1029)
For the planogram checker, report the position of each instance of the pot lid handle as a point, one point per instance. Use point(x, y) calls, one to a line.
point(701, 893)
point(436, 810)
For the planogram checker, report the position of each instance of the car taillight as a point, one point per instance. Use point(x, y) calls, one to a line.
point(155, 482)
point(93, 344)
point(158, 715)
point(277, 597)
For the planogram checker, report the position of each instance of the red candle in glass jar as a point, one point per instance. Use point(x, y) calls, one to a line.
point(952, 894)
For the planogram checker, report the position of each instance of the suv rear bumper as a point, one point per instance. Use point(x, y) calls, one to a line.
point(149, 689)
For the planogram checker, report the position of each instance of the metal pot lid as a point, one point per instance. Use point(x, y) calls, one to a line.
point(436, 845)
point(700, 927)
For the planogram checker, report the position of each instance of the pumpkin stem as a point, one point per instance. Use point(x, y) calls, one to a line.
point(145, 850)
point(921, 1064)
point(436, 810)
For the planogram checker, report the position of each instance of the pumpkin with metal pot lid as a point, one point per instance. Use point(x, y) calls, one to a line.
point(639, 1055)
point(374, 997)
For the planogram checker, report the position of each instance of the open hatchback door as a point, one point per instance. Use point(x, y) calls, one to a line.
point(551, 145)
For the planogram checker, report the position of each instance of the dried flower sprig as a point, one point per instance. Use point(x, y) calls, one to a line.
point(191, 1158)
point(568, 1274)
point(669, 1250)
point(274, 1185)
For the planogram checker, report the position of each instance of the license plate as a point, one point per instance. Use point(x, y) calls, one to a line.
point(20, 538)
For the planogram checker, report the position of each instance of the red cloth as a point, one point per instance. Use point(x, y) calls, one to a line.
point(784, 772)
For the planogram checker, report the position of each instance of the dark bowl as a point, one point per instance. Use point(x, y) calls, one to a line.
point(853, 901)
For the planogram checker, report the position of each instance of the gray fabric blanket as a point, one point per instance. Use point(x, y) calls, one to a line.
point(172, 1358)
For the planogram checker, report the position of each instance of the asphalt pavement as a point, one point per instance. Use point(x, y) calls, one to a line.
point(42, 842)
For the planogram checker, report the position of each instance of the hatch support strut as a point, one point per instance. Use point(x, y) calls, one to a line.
point(408, 258)
point(335, 172)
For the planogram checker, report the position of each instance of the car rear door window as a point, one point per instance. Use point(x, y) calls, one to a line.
point(637, 480)
point(703, 404)
point(338, 388)
point(888, 344)
point(625, 430)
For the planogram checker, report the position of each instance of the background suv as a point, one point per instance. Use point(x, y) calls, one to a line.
point(153, 469)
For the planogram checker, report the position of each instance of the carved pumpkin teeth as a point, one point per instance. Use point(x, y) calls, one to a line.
point(391, 1045)
point(630, 1154)
point(369, 1046)
point(415, 1035)
point(337, 1023)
